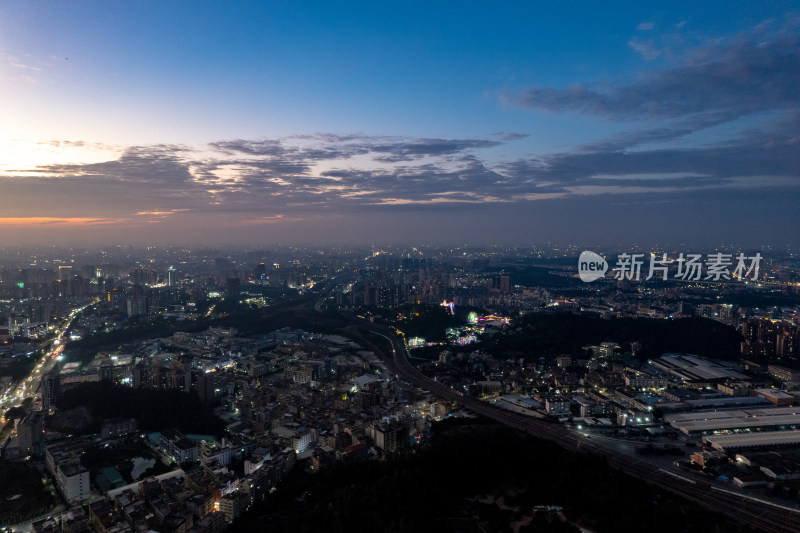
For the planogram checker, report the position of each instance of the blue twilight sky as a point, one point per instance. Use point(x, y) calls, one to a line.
point(449, 122)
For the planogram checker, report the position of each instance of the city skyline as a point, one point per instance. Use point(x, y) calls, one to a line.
point(347, 124)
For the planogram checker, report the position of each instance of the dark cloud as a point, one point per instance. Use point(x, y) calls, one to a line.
point(157, 168)
point(244, 176)
point(262, 147)
point(753, 158)
point(664, 168)
point(419, 148)
point(754, 78)
point(514, 136)
point(673, 130)
point(749, 86)
point(509, 136)
point(328, 137)
point(330, 147)
point(140, 179)
point(751, 74)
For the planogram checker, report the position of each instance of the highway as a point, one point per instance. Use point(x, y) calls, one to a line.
point(26, 388)
point(762, 514)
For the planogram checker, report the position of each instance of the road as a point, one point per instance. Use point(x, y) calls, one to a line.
point(762, 514)
point(26, 388)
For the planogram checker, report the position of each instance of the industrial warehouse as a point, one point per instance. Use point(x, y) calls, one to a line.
point(708, 422)
point(764, 439)
point(693, 368)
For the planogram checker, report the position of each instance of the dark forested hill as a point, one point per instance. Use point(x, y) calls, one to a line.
point(476, 476)
point(154, 410)
point(566, 333)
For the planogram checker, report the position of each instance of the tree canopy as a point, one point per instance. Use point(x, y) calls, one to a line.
point(153, 409)
point(552, 334)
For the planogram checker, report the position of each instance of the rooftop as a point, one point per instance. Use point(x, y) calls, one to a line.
point(752, 440)
point(691, 367)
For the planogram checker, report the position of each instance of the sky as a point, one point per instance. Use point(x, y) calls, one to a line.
point(330, 123)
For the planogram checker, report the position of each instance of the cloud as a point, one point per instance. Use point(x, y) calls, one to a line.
point(160, 213)
point(260, 147)
point(141, 177)
point(66, 144)
point(419, 148)
point(24, 66)
point(249, 176)
point(747, 87)
point(321, 147)
point(177, 181)
point(752, 73)
point(55, 221)
point(646, 49)
point(510, 136)
point(645, 26)
point(15, 62)
point(300, 178)
point(272, 219)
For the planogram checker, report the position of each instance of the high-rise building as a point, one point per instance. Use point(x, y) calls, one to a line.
point(232, 287)
point(233, 505)
point(50, 387)
point(206, 386)
point(64, 273)
point(391, 436)
point(143, 276)
point(137, 306)
point(505, 284)
point(29, 432)
point(261, 271)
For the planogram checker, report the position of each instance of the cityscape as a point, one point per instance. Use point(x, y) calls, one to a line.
point(341, 268)
point(176, 389)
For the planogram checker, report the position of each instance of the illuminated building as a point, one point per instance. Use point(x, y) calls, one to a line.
point(118, 427)
point(29, 433)
point(63, 462)
point(783, 373)
point(415, 342)
point(557, 406)
point(143, 276)
point(261, 271)
point(136, 306)
point(233, 505)
point(390, 436)
point(64, 273)
point(177, 446)
point(51, 387)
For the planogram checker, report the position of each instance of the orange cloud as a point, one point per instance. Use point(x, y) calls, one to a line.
point(160, 213)
point(55, 221)
point(269, 220)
